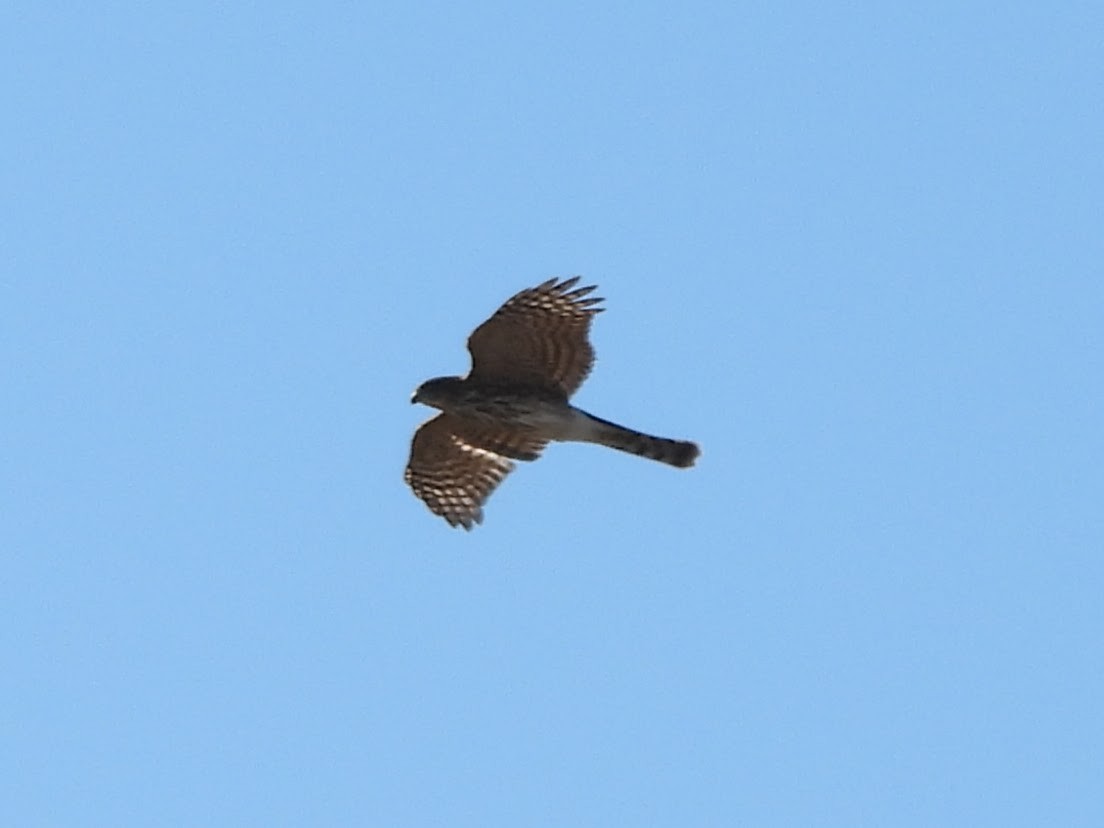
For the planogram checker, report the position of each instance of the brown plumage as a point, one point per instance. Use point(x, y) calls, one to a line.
point(527, 361)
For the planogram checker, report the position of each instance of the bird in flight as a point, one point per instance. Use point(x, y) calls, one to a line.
point(527, 361)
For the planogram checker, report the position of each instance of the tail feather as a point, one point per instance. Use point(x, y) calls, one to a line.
point(678, 453)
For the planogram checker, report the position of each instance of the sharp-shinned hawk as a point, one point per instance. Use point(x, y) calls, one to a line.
point(527, 361)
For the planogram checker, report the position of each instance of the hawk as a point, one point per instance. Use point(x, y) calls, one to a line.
point(527, 361)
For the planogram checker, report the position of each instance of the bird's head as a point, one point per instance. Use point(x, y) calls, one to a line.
point(437, 392)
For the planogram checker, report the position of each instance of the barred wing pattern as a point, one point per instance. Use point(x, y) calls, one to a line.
point(538, 338)
point(451, 473)
point(527, 360)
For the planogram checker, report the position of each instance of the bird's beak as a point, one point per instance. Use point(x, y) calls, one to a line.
point(414, 398)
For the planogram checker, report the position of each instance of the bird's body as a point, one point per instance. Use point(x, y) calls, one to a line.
point(527, 361)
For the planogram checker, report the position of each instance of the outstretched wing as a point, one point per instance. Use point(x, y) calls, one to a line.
point(538, 338)
point(452, 474)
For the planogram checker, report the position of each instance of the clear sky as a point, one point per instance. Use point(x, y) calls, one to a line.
point(854, 250)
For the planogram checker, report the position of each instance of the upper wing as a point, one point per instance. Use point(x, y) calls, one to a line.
point(452, 475)
point(538, 338)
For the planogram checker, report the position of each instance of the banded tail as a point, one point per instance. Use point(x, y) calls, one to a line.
point(678, 453)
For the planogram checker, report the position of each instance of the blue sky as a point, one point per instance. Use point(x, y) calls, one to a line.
point(854, 251)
